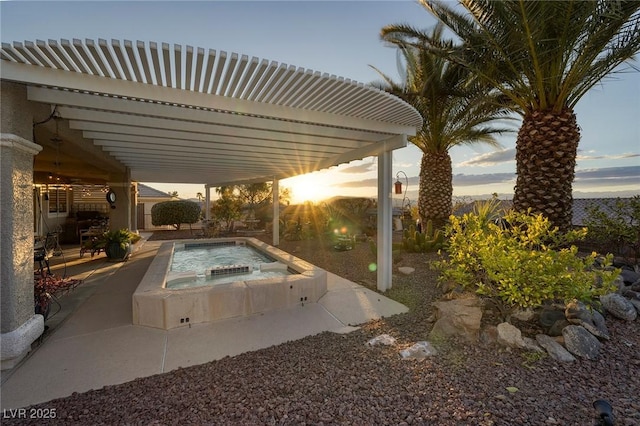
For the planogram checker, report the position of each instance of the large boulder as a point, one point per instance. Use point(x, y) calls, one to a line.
point(458, 317)
point(580, 342)
point(618, 306)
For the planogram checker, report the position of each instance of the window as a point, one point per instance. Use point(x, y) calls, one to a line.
point(57, 200)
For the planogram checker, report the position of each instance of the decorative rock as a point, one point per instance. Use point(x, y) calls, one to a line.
point(580, 342)
point(419, 350)
point(383, 339)
point(554, 349)
point(489, 335)
point(619, 307)
point(406, 270)
point(458, 317)
point(592, 320)
point(635, 286)
point(510, 335)
point(556, 328)
point(524, 314)
point(629, 277)
point(531, 345)
point(550, 314)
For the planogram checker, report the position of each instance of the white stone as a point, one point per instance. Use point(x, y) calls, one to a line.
point(510, 335)
point(383, 339)
point(419, 350)
point(406, 270)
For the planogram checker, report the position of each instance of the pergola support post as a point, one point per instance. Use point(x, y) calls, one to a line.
point(207, 202)
point(275, 189)
point(384, 239)
point(120, 212)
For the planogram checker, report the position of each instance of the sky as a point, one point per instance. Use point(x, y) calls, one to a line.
point(342, 38)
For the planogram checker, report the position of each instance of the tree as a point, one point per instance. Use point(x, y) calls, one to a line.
point(456, 109)
point(175, 213)
point(227, 208)
point(544, 56)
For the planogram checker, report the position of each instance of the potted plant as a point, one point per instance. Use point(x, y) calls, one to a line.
point(46, 287)
point(117, 243)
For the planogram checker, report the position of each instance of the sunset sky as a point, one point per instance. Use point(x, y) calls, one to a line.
point(342, 38)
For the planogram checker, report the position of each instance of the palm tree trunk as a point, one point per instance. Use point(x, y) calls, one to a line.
point(546, 152)
point(436, 188)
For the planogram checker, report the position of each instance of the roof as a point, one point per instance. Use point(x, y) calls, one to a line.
point(192, 115)
point(145, 191)
point(580, 207)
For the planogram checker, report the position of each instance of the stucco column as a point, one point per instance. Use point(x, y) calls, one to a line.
point(19, 325)
point(134, 207)
point(207, 202)
point(275, 189)
point(120, 212)
point(385, 238)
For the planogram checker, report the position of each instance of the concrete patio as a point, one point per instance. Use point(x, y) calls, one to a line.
point(92, 343)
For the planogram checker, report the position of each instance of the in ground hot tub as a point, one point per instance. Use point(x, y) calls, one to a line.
point(194, 299)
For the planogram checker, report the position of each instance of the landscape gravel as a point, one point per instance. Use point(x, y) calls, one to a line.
point(337, 379)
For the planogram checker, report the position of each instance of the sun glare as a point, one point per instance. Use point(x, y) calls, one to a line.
point(312, 187)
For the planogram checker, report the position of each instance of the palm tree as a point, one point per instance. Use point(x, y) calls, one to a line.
point(544, 56)
point(456, 110)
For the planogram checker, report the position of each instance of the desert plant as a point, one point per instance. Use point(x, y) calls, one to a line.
point(544, 56)
point(523, 264)
point(175, 213)
point(457, 110)
point(430, 239)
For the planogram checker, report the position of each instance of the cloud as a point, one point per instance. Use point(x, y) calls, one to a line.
point(491, 158)
point(608, 176)
point(581, 157)
point(360, 168)
point(483, 179)
point(586, 178)
point(373, 183)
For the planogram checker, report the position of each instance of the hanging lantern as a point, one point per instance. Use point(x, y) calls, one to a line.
point(398, 187)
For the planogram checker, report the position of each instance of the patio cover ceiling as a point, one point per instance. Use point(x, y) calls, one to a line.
point(186, 115)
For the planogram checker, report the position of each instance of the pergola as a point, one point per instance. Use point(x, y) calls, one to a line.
point(152, 112)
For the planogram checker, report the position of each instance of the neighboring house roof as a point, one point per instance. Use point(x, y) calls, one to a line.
point(468, 208)
point(580, 207)
point(145, 191)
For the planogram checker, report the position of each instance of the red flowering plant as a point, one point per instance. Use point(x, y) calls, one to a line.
point(45, 286)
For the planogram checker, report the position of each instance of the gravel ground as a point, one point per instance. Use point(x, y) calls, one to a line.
point(336, 379)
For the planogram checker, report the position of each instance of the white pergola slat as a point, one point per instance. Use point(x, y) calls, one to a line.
point(192, 115)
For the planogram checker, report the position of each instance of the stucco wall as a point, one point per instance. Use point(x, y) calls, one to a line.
point(16, 228)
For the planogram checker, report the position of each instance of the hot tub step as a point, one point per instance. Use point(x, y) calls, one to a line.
point(229, 270)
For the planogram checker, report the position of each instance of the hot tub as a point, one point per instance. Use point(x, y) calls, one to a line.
point(156, 305)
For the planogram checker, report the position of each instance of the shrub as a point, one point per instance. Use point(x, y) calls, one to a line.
point(521, 262)
point(175, 213)
point(617, 230)
point(414, 241)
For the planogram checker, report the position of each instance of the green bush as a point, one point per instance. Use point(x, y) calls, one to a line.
point(618, 230)
point(521, 261)
point(175, 213)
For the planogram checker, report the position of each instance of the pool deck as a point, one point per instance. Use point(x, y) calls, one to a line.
point(91, 342)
